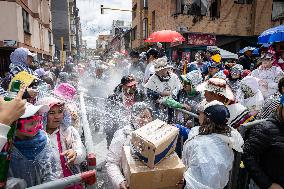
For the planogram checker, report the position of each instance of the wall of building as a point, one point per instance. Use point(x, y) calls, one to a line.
point(9, 30)
point(235, 19)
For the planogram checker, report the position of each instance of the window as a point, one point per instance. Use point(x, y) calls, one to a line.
point(153, 20)
point(179, 6)
point(145, 4)
point(49, 38)
point(145, 28)
point(134, 11)
point(277, 9)
point(215, 9)
point(26, 22)
point(134, 32)
point(197, 8)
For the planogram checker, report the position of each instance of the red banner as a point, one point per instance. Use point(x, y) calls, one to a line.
point(201, 39)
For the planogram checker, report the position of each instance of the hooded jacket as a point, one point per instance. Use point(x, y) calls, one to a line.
point(37, 167)
point(70, 139)
point(209, 158)
point(114, 157)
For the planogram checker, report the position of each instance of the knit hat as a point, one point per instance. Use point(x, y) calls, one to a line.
point(65, 91)
point(217, 112)
point(161, 63)
point(237, 69)
point(220, 75)
point(218, 86)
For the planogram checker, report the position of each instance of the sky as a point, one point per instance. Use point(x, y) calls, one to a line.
point(93, 23)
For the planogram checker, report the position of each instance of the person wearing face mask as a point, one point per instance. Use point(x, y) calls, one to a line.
point(249, 94)
point(268, 75)
point(161, 85)
point(141, 114)
point(127, 92)
point(32, 156)
point(119, 104)
point(66, 142)
point(235, 77)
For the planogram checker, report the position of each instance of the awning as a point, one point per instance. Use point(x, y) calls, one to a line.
point(225, 54)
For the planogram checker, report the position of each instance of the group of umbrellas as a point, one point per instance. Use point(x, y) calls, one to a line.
point(272, 35)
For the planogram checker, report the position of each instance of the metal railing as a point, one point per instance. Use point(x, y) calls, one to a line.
point(88, 177)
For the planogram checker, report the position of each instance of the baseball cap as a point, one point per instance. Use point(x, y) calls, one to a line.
point(32, 110)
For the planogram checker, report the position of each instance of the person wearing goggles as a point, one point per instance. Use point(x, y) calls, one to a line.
point(32, 151)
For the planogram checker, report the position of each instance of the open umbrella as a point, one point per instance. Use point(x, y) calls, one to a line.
point(165, 36)
point(271, 35)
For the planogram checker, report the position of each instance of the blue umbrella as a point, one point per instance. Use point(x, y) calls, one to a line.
point(271, 35)
point(256, 52)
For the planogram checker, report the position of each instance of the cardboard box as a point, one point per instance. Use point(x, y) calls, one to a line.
point(164, 176)
point(154, 141)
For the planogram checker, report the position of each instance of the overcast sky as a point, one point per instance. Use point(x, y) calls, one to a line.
point(93, 23)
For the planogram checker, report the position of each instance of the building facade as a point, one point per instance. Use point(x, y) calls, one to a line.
point(231, 23)
point(25, 23)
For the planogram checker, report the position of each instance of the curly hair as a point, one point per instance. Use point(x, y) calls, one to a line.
point(209, 127)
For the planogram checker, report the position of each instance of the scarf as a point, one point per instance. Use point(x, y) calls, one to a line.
point(32, 147)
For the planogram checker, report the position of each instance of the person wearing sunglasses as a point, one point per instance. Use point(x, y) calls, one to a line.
point(32, 151)
point(268, 75)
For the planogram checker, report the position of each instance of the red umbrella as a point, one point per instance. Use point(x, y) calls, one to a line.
point(165, 36)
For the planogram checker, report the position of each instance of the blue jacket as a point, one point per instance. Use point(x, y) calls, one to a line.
point(34, 171)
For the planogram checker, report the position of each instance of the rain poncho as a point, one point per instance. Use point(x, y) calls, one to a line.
point(114, 157)
point(149, 71)
point(209, 159)
point(271, 77)
point(3, 135)
point(249, 94)
point(32, 160)
point(70, 139)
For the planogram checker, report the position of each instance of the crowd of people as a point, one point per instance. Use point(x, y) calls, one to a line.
point(135, 89)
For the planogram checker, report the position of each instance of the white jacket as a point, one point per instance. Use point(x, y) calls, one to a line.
point(4, 129)
point(114, 157)
point(149, 71)
point(173, 85)
point(271, 76)
point(209, 159)
point(70, 139)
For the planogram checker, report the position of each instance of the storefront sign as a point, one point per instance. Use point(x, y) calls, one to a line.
point(201, 39)
point(9, 43)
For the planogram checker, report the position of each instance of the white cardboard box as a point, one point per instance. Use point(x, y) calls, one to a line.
point(154, 141)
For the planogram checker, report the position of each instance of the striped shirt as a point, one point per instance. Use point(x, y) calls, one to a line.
point(17, 69)
point(270, 105)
